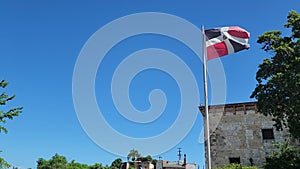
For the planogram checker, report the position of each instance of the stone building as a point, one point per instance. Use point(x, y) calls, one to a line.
point(239, 134)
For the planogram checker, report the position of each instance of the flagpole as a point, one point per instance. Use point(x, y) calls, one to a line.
point(206, 98)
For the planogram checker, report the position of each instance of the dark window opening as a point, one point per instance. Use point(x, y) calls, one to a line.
point(267, 134)
point(268, 159)
point(251, 161)
point(235, 160)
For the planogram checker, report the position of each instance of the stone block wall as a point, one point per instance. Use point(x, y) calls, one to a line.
point(236, 133)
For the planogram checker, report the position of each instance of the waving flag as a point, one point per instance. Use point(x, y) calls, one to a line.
point(225, 40)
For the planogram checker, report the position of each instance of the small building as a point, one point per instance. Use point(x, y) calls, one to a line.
point(137, 165)
point(239, 134)
point(163, 164)
point(147, 165)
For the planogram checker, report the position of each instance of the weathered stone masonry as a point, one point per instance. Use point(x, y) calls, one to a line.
point(240, 134)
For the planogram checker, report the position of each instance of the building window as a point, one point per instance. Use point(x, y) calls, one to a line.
point(235, 160)
point(267, 134)
point(268, 159)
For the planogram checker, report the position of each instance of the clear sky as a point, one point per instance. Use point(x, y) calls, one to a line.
point(40, 42)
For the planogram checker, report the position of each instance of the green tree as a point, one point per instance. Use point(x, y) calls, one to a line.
point(56, 162)
point(96, 166)
point(43, 164)
point(4, 115)
point(116, 164)
point(237, 166)
point(147, 158)
point(288, 157)
point(3, 163)
point(76, 165)
point(11, 113)
point(133, 155)
point(60, 162)
point(278, 88)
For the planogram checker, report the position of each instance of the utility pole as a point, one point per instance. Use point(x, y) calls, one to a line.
point(179, 155)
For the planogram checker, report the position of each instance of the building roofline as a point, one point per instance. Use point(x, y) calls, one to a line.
point(231, 106)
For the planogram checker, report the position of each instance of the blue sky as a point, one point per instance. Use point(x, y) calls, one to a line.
point(40, 42)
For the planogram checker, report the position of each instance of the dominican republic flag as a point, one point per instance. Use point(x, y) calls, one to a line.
point(225, 40)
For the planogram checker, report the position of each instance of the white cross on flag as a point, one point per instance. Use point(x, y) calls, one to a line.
point(225, 40)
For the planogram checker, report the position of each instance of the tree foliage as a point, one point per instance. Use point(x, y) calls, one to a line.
point(116, 164)
point(237, 166)
point(11, 113)
point(147, 158)
point(288, 157)
point(5, 115)
point(3, 163)
point(56, 162)
point(60, 162)
point(98, 166)
point(76, 165)
point(278, 88)
point(133, 155)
